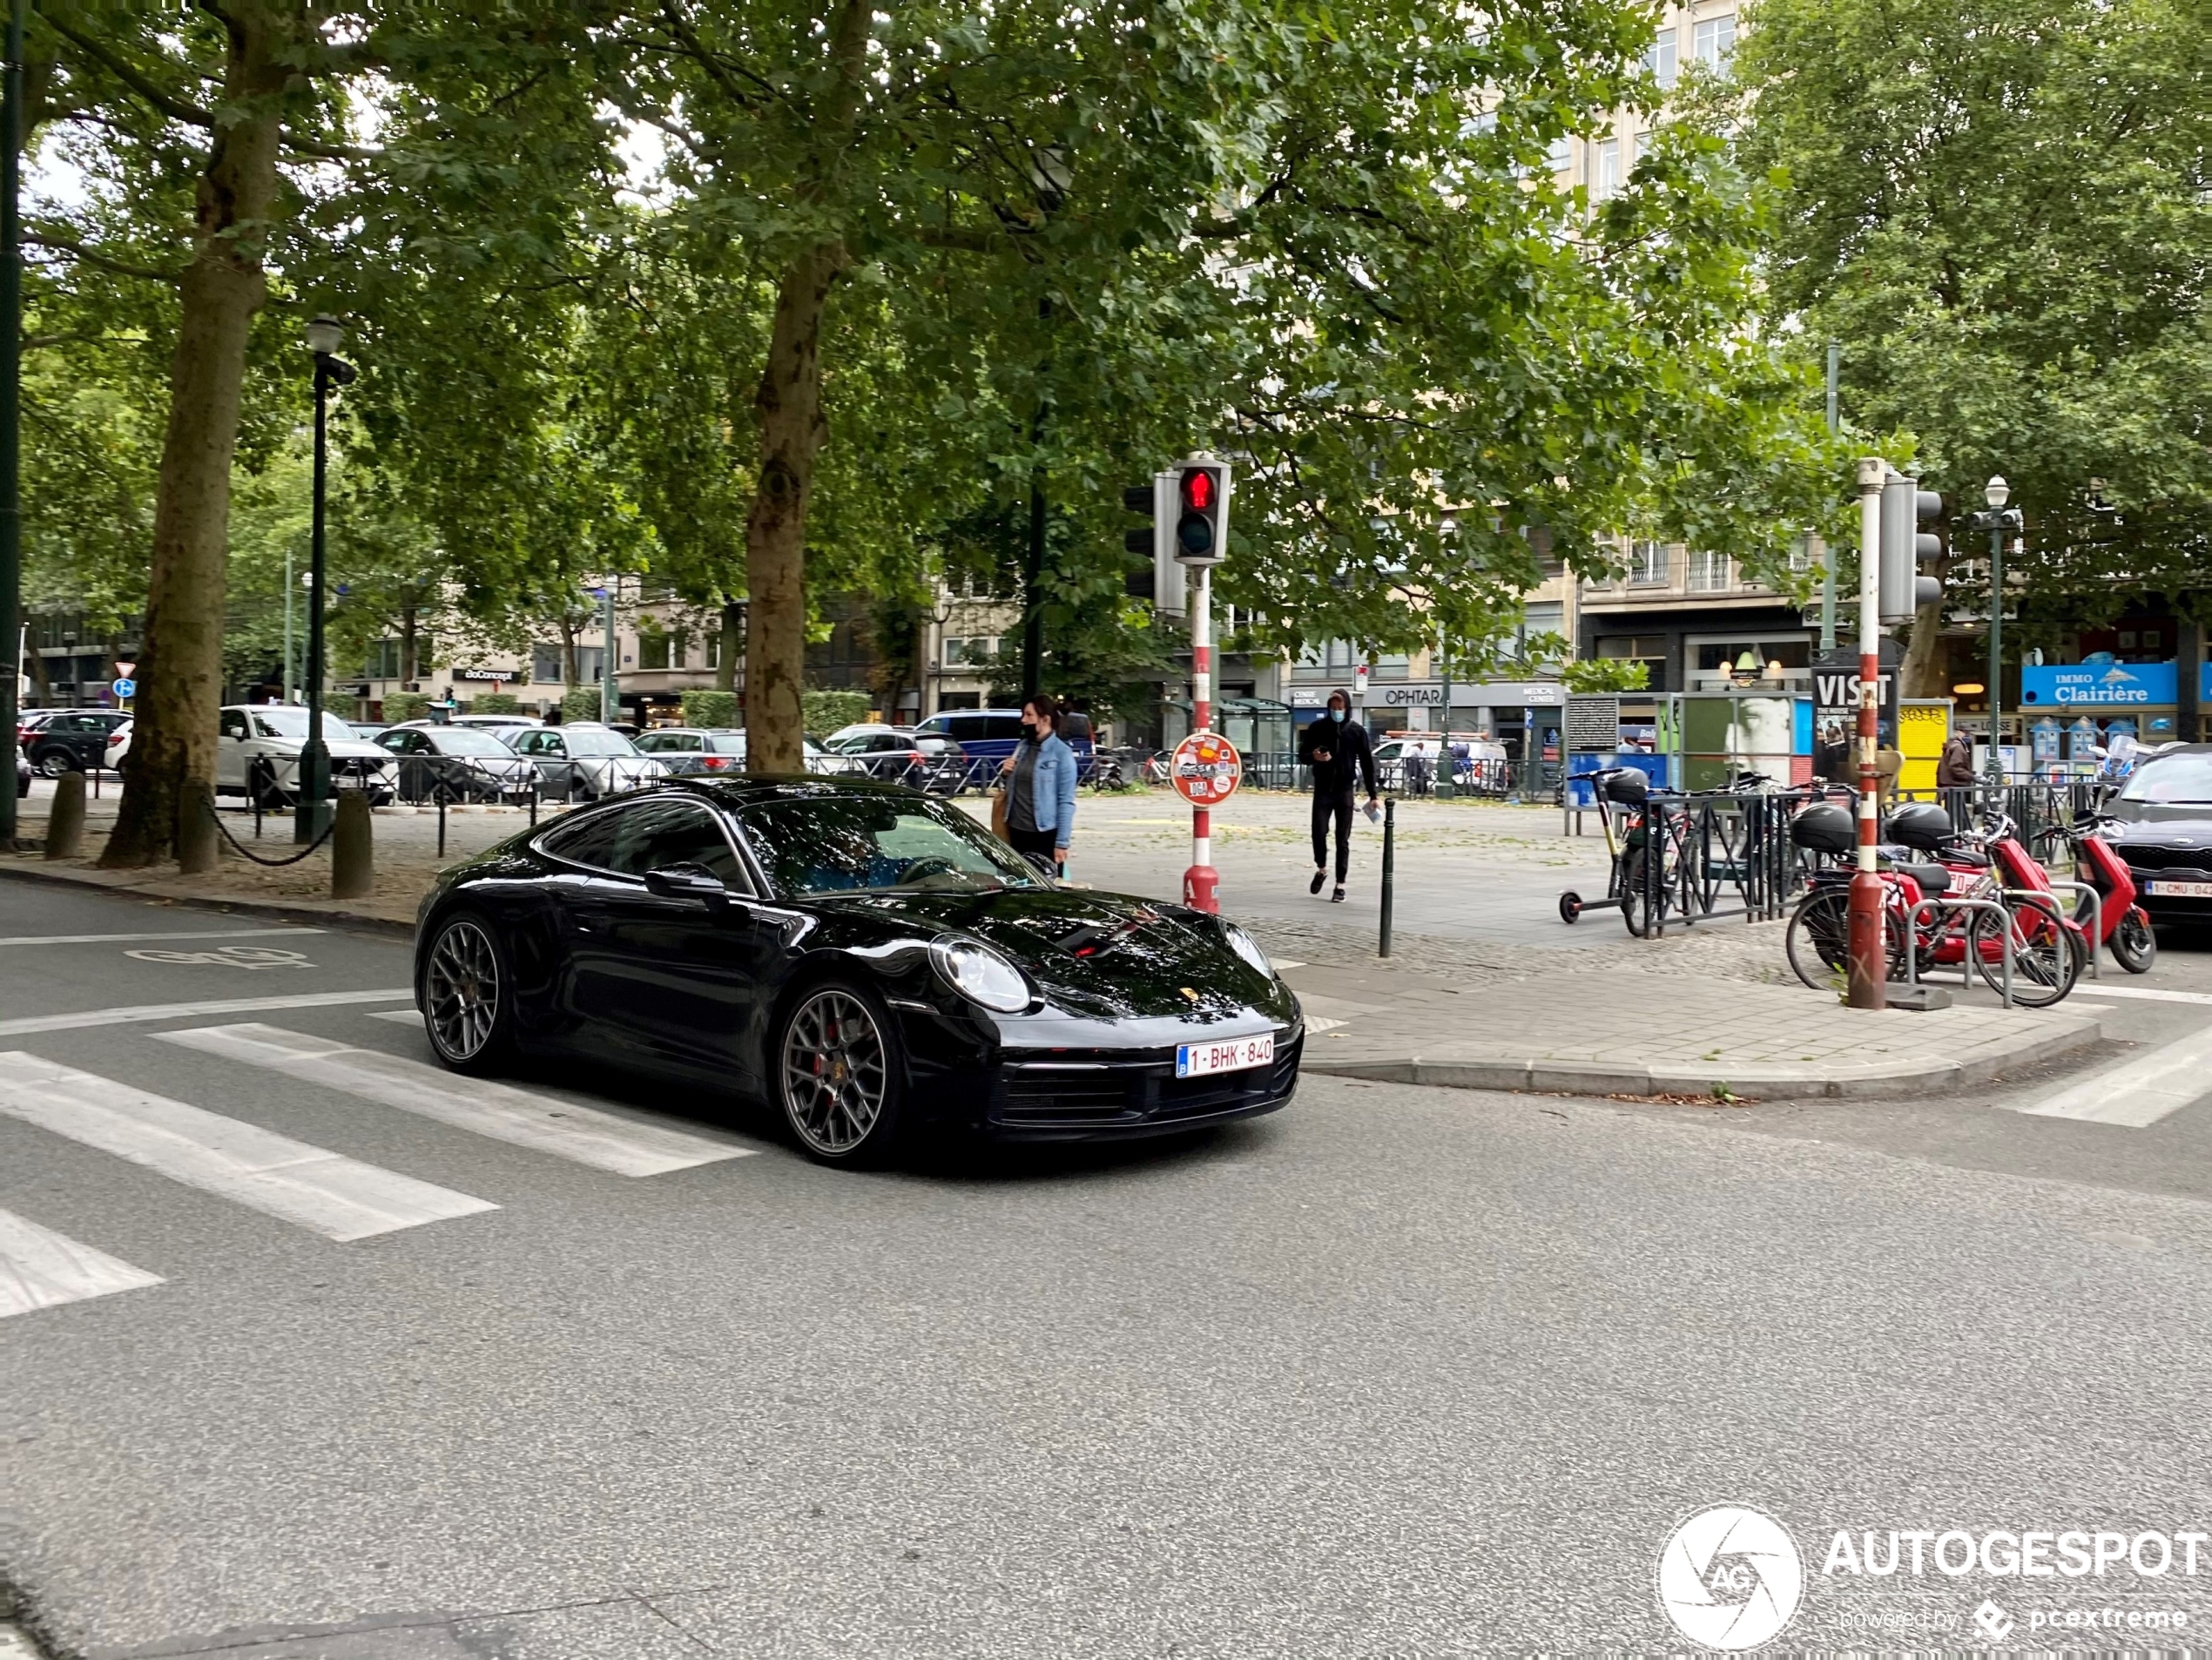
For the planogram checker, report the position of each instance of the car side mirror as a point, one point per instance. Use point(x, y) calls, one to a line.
point(686, 881)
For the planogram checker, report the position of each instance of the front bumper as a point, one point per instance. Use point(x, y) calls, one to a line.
point(1121, 1094)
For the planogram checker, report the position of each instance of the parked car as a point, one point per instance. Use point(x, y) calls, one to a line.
point(489, 723)
point(874, 963)
point(470, 763)
point(257, 754)
point(900, 755)
point(2166, 833)
point(584, 761)
point(988, 736)
point(72, 739)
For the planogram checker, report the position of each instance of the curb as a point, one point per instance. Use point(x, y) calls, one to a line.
point(1876, 1081)
point(279, 910)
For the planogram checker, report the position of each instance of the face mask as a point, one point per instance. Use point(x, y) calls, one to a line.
point(1336, 715)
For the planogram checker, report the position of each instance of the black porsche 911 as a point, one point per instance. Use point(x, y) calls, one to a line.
point(2166, 834)
point(868, 960)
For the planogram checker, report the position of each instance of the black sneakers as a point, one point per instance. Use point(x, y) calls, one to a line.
point(1319, 876)
point(1336, 898)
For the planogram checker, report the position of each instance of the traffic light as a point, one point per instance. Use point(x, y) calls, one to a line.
point(1906, 544)
point(1201, 521)
point(1164, 584)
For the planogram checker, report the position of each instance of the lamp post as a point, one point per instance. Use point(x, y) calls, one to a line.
point(1999, 522)
point(325, 335)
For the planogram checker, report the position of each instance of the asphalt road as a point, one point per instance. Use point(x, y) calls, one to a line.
point(1393, 1371)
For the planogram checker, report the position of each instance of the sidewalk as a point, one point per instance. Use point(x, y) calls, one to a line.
point(1619, 1031)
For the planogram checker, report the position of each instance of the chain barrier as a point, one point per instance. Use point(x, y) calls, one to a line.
point(255, 857)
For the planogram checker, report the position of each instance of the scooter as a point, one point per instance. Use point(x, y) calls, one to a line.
point(2122, 923)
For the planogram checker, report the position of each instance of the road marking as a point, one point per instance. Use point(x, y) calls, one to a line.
point(188, 1011)
point(1284, 965)
point(542, 1123)
point(42, 1269)
point(2149, 994)
point(339, 1197)
point(1317, 1024)
point(399, 1016)
point(131, 939)
point(2142, 1091)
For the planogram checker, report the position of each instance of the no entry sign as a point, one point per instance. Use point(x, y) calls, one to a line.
point(1207, 769)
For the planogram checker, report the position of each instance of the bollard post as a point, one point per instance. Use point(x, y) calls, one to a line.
point(438, 789)
point(65, 824)
point(196, 834)
point(1389, 868)
point(352, 865)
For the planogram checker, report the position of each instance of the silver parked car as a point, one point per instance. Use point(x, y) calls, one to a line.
point(584, 761)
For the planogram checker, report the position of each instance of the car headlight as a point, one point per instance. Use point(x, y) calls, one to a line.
point(1247, 947)
point(981, 974)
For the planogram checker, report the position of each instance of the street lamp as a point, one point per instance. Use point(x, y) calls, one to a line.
point(2000, 522)
point(325, 335)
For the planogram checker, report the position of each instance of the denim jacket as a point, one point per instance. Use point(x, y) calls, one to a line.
point(1052, 793)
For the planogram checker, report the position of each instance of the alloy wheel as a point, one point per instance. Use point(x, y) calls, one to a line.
point(836, 1071)
point(462, 987)
point(55, 763)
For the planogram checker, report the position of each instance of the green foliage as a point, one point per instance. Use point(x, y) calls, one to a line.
point(1606, 674)
point(406, 705)
point(711, 708)
point(580, 703)
point(495, 703)
point(1999, 207)
point(823, 712)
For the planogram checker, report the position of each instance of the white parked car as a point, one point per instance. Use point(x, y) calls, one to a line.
point(489, 723)
point(584, 761)
point(259, 744)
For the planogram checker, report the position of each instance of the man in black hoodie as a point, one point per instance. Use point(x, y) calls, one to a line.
point(1336, 748)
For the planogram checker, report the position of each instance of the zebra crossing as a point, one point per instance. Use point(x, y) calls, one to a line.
point(340, 1199)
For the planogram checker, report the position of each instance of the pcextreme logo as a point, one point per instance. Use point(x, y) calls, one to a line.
point(1731, 1577)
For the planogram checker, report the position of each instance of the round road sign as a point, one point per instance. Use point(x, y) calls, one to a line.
point(124, 688)
point(1207, 769)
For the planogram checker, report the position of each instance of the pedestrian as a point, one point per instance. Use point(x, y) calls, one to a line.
point(1041, 786)
point(1955, 766)
point(1831, 756)
point(1336, 748)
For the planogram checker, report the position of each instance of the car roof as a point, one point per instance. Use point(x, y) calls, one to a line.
point(748, 789)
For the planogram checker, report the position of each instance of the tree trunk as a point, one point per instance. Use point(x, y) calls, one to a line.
point(731, 653)
point(571, 665)
point(180, 667)
point(790, 403)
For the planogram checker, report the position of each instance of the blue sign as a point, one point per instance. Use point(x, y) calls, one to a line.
point(2204, 682)
point(2097, 685)
point(124, 688)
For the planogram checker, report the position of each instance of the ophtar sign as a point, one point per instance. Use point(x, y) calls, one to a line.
point(2108, 686)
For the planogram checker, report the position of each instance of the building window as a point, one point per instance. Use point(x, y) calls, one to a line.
point(654, 650)
point(965, 651)
point(1713, 43)
point(1561, 154)
point(1605, 171)
point(1648, 566)
point(383, 660)
point(545, 663)
point(1660, 60)
point(1708, 571)
point(590, 664)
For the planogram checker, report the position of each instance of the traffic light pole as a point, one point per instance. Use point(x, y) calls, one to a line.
point(1869, 968)
point(1202, 879)
point(11, 347)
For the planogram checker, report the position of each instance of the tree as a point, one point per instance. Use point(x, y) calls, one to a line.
point(1999, 207)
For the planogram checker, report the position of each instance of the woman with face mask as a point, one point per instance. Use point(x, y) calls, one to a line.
point(1336, 748)
point(1041, 793)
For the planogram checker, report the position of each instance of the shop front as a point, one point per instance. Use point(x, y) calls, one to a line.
point(2075, 712)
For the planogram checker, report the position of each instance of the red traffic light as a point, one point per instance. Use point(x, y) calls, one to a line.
point(1199, 489)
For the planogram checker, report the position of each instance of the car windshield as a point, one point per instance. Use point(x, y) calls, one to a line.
point(2172, 778)
point(283, 721)
point(585, 741)
point(467, 740)
point(843, 844)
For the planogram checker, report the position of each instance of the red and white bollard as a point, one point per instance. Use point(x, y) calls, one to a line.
point(1200, 881)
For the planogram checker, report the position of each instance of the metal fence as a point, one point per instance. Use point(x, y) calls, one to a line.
point(1708, 855)
point(2032, 808)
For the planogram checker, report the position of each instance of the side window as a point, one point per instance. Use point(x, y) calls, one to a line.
point(1005, 726)
point(966, 729)
point(653, 836)
point(588, 840)
point(233, 723)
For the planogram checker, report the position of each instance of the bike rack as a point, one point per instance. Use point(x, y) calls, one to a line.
point(2081, 891)
point(1967, 967)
